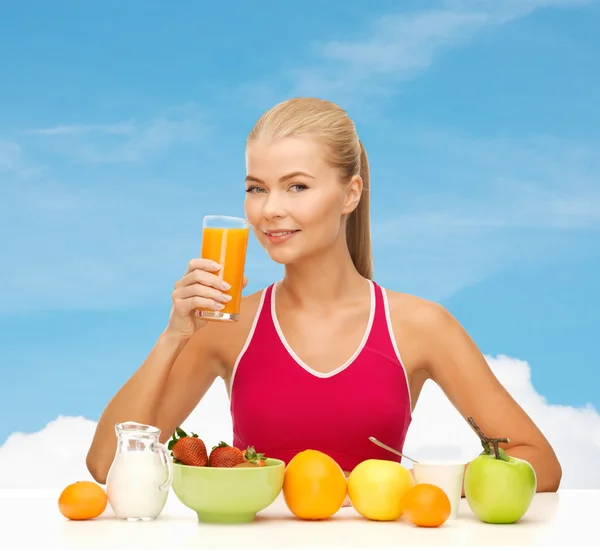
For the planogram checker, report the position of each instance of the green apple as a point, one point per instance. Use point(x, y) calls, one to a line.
point(499, 489)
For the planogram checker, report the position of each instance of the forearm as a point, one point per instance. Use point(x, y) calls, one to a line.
point(547, 467)
point(136, 401)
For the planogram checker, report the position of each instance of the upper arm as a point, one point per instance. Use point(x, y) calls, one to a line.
point(454, 362)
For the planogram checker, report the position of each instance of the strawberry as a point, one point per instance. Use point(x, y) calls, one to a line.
point(257, 459)
point(224, 455)
point(189, 450)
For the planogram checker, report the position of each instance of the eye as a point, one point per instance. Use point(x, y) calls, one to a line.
point(299, 187)
point(253, 189)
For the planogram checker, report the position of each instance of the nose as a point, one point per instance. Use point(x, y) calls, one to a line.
point(273, 207)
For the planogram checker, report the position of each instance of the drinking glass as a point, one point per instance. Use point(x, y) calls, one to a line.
point(225, 240)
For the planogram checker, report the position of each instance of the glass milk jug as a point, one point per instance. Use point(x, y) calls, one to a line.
point(140, 476)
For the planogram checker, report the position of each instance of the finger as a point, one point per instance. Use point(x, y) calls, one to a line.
point(204, 278)
point(245, 282)
point(184, 306)
point(204, 264)
point(202, 291)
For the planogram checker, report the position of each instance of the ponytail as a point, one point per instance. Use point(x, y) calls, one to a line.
point(358, 232)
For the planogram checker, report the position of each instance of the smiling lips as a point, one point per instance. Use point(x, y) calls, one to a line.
point(279, 236)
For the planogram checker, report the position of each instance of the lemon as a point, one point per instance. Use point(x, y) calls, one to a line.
point(376, 488)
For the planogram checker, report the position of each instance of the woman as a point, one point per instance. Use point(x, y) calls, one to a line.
point(325, 358)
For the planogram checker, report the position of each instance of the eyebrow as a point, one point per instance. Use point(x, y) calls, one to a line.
point(250, 178)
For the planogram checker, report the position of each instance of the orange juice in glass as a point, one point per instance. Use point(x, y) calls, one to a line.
point(225, 240)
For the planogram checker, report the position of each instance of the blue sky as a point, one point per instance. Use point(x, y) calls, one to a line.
point(122, 124)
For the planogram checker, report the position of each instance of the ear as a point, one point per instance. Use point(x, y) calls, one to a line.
point(353, 193)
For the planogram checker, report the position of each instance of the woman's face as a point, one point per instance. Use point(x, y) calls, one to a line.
point(295, 202)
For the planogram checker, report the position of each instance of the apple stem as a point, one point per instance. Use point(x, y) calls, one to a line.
point(485, 440)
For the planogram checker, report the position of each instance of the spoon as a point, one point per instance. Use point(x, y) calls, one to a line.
point(382, 445)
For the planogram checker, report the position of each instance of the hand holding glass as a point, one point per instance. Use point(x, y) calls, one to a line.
point(225, 241)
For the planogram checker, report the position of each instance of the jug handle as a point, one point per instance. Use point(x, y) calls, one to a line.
point(163, 452)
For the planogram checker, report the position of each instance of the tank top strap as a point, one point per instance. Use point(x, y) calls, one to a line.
point(380, 319)
point(261, 331)
point(266, 321)
point(382, 336)
point(264, 324)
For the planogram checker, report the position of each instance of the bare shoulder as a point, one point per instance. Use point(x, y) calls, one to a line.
point(419, 327)
point(223, 341)
point(416, 313)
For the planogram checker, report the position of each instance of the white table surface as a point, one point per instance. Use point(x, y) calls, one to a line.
point(30, 520)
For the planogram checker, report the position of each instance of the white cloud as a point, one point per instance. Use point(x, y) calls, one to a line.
point(122, 128)
point(404, 43)
point(127, 141)
point(50, 458)
point(55, 456)
point(397, 47)
point(438, 429)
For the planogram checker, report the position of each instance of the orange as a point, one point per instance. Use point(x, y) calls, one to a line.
point(426, 505)
point(314, 485)
point(376, 486)
point(82, 500)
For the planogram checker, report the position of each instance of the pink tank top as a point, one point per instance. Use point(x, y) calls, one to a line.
point(281, 406)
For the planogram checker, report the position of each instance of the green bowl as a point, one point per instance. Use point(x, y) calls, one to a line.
point(228, 496)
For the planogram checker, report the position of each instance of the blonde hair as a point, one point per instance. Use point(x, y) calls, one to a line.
point(331, 125)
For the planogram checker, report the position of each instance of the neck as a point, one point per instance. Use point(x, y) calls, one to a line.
point(323, 278)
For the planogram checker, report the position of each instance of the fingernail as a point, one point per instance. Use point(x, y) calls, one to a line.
point(216, 265)
point(226, 298)
point(219, 306)
point(225, 286)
